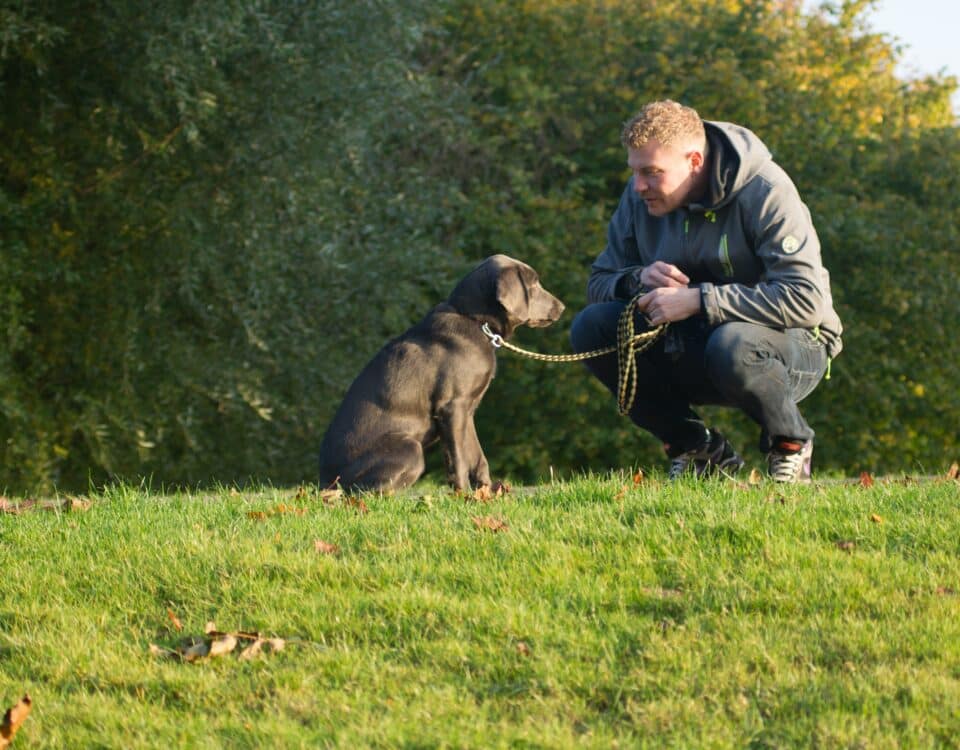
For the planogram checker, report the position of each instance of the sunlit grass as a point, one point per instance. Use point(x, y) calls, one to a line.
point(607, 612)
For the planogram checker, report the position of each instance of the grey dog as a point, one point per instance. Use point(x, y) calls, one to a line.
point(425, 385)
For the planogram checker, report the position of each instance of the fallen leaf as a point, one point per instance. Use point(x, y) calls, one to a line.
point(174, 620)
point(865, 479)
point(252, 650)
point(638, 477)
point(289, 509)
point(954, 471)
point(755, 477)
point(275, 644)
point(257, 515)
point(945, 591)
point(356, 502)
point(482, 494)
point(10, 506)
point(73, 503)
point(523, 649)
point(167, 653)
point(846, 545)
point(621, 493)
point(222, 645)
point(325, 548)
point(500, 488)
point(875, 518)
point(490, 523)
point(13, 719)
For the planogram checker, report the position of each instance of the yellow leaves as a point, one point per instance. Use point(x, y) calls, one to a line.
point(13, 719)
point(487, 492)
point(215, 643)
point(174, 620)
point(325, 548)
point(70, 503)
point(492, 524)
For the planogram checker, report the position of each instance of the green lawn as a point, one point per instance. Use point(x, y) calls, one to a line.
point(605, 614)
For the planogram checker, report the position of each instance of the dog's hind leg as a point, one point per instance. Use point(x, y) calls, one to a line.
point(392, 463)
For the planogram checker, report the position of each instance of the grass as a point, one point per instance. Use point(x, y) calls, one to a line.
point(607, 614)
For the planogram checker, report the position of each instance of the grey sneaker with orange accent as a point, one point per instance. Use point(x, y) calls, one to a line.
point(714, 456)
point(790, 461)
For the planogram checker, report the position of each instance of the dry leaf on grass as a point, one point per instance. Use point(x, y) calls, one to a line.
point(262, 645)
point(865, 479)
point(638, 477)
point(174, 620)
point(846, 545)
point(66, 505)
point(325, 548)
point(945, 591)
point(13, 719)
point(875, 518)
point(223, 645)
point(755, 477)
point(357, 503)
point(215, 643)
point(490, 523)
point(523, 649)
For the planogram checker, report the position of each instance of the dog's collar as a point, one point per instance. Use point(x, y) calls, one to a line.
point(495, 338)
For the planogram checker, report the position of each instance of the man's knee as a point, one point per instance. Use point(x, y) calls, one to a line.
point(734, 350)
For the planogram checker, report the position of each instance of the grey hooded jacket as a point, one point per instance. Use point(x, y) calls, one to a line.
point(750, 247)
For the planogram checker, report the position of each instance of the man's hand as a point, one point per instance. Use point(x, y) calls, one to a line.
point(670, 304)
point(660, 274)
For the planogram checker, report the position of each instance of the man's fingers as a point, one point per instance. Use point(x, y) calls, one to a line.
point(661, 274)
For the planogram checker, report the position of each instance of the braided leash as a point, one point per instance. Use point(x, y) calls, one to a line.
point(629, 345)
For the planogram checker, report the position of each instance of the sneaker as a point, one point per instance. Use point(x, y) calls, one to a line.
point(715, 456)
point(790, 461)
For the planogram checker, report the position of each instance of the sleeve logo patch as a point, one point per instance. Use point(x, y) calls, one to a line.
point(790, 244)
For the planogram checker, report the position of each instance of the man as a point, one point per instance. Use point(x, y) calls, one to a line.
point(715, 234)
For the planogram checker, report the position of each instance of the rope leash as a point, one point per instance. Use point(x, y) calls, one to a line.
point(629, 345)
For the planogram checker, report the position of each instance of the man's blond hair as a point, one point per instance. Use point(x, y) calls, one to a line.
point(667, 122)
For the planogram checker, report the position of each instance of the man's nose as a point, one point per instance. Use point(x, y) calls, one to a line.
point(639, 184)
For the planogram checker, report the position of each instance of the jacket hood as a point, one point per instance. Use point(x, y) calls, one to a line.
point(737, 156)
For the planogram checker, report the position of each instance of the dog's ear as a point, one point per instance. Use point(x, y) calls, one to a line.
point(513, 285)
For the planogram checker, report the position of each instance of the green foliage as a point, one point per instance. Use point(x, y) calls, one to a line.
point(550, 84)
point(214, 213)
point(652, 616)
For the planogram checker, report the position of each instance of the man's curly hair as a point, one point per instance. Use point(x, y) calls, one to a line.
point(668, 122)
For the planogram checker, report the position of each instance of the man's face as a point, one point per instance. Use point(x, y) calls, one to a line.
point(665, 177)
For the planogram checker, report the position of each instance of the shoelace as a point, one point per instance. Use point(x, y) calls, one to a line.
point(786, 467)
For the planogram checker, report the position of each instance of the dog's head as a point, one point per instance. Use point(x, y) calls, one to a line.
point(507, 293)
